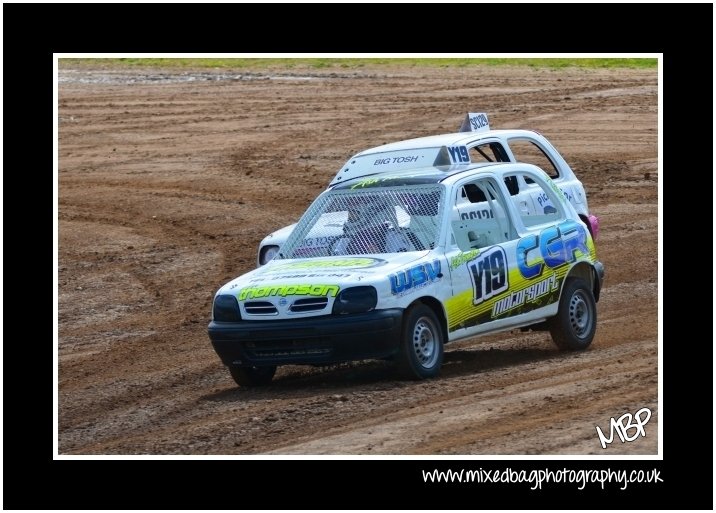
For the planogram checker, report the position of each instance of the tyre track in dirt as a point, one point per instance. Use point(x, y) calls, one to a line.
point(559, 399)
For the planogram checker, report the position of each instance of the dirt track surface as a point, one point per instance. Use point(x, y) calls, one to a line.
point(167, 184)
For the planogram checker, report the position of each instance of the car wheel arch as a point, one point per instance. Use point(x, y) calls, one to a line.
point(437, 307)
point(588, 273)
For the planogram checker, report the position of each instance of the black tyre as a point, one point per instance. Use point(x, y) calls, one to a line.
point(252, 376)
point(574, 325)
point(421, 346)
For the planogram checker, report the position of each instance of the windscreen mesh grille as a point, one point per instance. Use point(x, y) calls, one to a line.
point(371, 220)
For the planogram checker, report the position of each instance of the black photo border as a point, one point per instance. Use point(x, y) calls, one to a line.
point(34, 32)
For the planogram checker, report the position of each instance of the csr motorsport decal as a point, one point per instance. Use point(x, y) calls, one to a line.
point(531, 294)
point(553, 247)
point(288, 290)
point(498, 292)
point(414, 278)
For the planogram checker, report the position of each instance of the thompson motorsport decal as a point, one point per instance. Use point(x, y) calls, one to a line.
point(288, 290)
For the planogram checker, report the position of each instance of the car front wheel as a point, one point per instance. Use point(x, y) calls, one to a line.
point(421, 346)
point(252, 376)
point(574, 325)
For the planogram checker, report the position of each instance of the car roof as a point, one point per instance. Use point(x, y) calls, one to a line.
point(426, 175)
point(452, 139)
point(436, 150)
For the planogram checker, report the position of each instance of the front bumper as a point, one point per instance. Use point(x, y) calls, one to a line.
point(312, 340)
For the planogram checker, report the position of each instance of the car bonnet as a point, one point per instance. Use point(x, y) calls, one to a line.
point(340, 271)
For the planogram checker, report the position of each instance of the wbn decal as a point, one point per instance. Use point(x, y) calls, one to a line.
point(415, 277)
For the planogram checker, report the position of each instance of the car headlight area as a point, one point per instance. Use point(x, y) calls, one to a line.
point(355, 300)
point(226, 308)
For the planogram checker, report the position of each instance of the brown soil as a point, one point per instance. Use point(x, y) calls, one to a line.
point(167, 185)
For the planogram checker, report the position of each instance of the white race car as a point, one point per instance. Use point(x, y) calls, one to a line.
point(394, 265)
point(475, 143)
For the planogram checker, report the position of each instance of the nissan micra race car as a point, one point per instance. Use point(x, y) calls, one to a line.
point(475, 142)
point(396, 265)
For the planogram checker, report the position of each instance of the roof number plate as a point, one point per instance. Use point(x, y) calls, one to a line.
point(475, 122)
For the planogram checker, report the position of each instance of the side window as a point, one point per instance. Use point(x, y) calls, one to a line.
point(529, 153)
point(512, 185)
point(480, 217)
point(488, 152)
point(538, 206)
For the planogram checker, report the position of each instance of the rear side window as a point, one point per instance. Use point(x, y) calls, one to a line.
point(530, 153)
point(488, 152)
point(537, 207)
point(495, 152)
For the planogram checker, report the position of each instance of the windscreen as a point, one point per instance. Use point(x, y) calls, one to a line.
point(374, 220)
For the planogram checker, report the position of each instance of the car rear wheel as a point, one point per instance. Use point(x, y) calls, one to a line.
point(421, 346)
point(252, 376)
point(574, 325)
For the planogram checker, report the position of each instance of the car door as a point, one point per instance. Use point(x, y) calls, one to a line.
point(499, 257)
